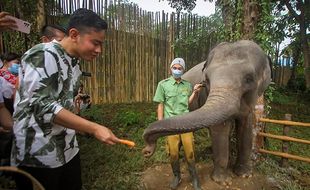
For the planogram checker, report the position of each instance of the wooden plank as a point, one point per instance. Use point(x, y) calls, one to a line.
point(285, 155)
point(284, 122)
point(282, 137)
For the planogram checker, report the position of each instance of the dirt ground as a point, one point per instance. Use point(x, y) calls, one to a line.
point(159, 177)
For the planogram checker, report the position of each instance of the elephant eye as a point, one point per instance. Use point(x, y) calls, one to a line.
point(249, 78)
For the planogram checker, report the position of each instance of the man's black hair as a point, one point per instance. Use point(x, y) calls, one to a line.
point(10, 56)
point(84, 20)
point(49, 30)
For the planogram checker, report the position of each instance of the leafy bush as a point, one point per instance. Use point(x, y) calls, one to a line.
point(126, 118)
point(297, 85)
point(281, 98)
point(150, 119)
point(269, 96)
point(93, 114)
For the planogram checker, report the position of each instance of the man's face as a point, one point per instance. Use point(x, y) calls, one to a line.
point(177, 67)
point(89, 44)
point(10, 63)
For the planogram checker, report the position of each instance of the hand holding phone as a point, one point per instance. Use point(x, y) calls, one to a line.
point(21, 25)
point(5, 22)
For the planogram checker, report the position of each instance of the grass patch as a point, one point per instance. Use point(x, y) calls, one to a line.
point(118, 167)
point(283, 176)
point(282, 98)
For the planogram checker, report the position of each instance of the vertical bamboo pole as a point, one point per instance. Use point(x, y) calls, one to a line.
point(285, 144)
point(112, 92)
point(128, 48)
point(122, 58)
point(153, 55)
point(136, 12)
point(105, 9)
point(140, 54)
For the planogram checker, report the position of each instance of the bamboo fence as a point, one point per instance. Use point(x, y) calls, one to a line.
point(282, 71)
point(138, 50)
point(139, 47)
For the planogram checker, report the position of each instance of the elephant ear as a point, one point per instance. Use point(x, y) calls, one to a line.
point(265, 80)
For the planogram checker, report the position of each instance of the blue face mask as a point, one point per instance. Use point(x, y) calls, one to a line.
point(176, 73)
point(13, 69)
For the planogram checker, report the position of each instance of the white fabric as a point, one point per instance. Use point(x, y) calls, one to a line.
point(7, 89)
point(179, 61)
point(1, 88)
point(1, 64)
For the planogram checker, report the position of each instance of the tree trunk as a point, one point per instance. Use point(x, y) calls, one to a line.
point(40, 20)
point(296, 54)
point(300, 19)
point(305, 47)
point(227, 13)
point(250, 18)
point(306, 52)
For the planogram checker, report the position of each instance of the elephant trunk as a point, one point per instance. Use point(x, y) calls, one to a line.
point(222, 104)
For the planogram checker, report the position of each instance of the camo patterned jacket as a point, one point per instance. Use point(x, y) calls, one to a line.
point(48, 77)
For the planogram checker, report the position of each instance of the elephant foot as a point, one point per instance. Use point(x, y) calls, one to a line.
point(242, 170)
point(222, 176)
point(149, 150)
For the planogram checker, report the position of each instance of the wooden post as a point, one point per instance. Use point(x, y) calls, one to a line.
point(258, 141)
point(259, 112)
point(285, 144)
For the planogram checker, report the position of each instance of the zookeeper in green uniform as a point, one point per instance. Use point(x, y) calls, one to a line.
point(174, 95)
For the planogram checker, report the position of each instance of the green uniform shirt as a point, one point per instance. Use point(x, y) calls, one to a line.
point(174, 96)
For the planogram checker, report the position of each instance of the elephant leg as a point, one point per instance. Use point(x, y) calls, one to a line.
point(220, 148)
point(244, 146)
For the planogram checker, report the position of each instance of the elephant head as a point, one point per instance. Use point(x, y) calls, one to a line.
point(236, 74)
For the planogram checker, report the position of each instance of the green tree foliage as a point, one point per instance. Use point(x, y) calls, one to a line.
point(269, 31)
point(297, 14)
point(233, 16)
point(203, 38)
point(297, 81)
point(180, 5)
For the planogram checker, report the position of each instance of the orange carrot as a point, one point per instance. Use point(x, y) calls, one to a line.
point(127, 142)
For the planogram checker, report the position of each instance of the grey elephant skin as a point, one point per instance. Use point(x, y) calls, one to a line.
point(235, 74)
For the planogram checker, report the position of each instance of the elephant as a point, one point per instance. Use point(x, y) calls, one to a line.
point(235, 75)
